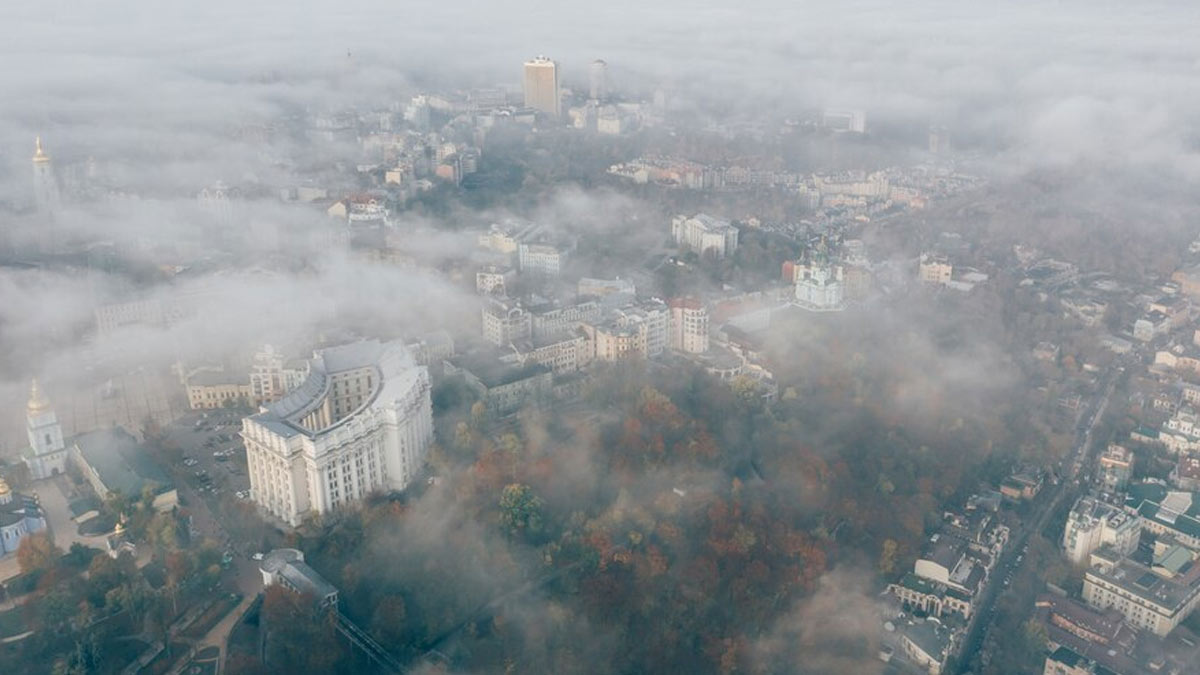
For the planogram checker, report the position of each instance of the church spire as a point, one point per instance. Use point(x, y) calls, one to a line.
point(38, 403)
point(39, 155)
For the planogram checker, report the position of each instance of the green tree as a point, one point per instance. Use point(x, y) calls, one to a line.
point(521, 509)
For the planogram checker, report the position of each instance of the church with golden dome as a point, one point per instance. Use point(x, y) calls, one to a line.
point(20, 516)
point(46, 454)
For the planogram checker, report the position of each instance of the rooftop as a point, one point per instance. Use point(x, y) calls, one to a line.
point(121, 462)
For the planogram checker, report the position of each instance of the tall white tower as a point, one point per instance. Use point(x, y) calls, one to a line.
point(598, 76)
point(541, 85)
point(45, 187)
point(47, 452)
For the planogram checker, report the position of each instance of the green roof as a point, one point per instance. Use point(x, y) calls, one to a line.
point(1176, 559)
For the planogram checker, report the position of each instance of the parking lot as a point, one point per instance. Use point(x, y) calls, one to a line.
point(213, 455)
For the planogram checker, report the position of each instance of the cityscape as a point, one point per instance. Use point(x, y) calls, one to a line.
point(836, 338)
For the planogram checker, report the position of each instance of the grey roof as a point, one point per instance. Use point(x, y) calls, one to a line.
point(122, 463)
point(289, 564)
point(1137, 579)
point(930, 637)
point(395, 372)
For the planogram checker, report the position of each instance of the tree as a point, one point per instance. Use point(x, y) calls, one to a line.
point(521, 509)
point(389, 619)
point(887, 558)
point(37, 553)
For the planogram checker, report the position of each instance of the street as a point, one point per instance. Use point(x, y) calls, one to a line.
point(1013, 559)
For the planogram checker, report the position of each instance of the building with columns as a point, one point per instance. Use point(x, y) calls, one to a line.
point(46, 454)
point(361, 422)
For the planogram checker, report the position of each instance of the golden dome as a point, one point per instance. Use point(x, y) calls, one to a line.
point(39, 156)
point(38, 403)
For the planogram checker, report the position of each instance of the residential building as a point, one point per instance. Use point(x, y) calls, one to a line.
point(208, 389)
point(560, 353)
point(931, 597)
point(541, 86)
point(503, 388)
point(844, 120)
point(1116, 467)
point(689, 325)
point(954, 565)
point(20, 516)
point(1181, 433)
point(540, 259)
point(935, 269)
point(1064, 661)
point(1150, 599)
point(272, 376)
point(927, 643)
point(114, 462)
point(642, 330)
point(361, 422)
point(620, 290)
point(705, 235)
point(1186, 474)
point(551, 321)
point(1151, 326)
point(494, 280)
point(286, 567)
point(1092, 524)
point(1025, 483)
point(46, 454)
point(1188, 280)
point(505, 322)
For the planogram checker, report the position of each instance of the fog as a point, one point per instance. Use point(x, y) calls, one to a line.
point(144, 104)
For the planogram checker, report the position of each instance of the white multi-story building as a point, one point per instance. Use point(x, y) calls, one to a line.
point(539, 259)
point(704, 234)
point(1116, 466)
point(1155, 598)
point(272, 376)
point(689, 326)
point(360, 423)
point(541, 86)
point(640, 330)
point(935, 269)
point(504, 322)
point(553, 322)
point(1092, 524)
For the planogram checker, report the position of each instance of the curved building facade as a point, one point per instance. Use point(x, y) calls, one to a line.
point(361, 422)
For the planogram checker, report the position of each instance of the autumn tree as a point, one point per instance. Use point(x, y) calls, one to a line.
point(521, 509)
point(37, 553)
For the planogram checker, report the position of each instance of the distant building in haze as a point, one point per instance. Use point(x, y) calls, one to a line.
point(598, 80)
point(45, 186)
point(704, 234)
point(541, 85)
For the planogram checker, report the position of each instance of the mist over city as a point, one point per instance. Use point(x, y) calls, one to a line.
point(815, 337)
